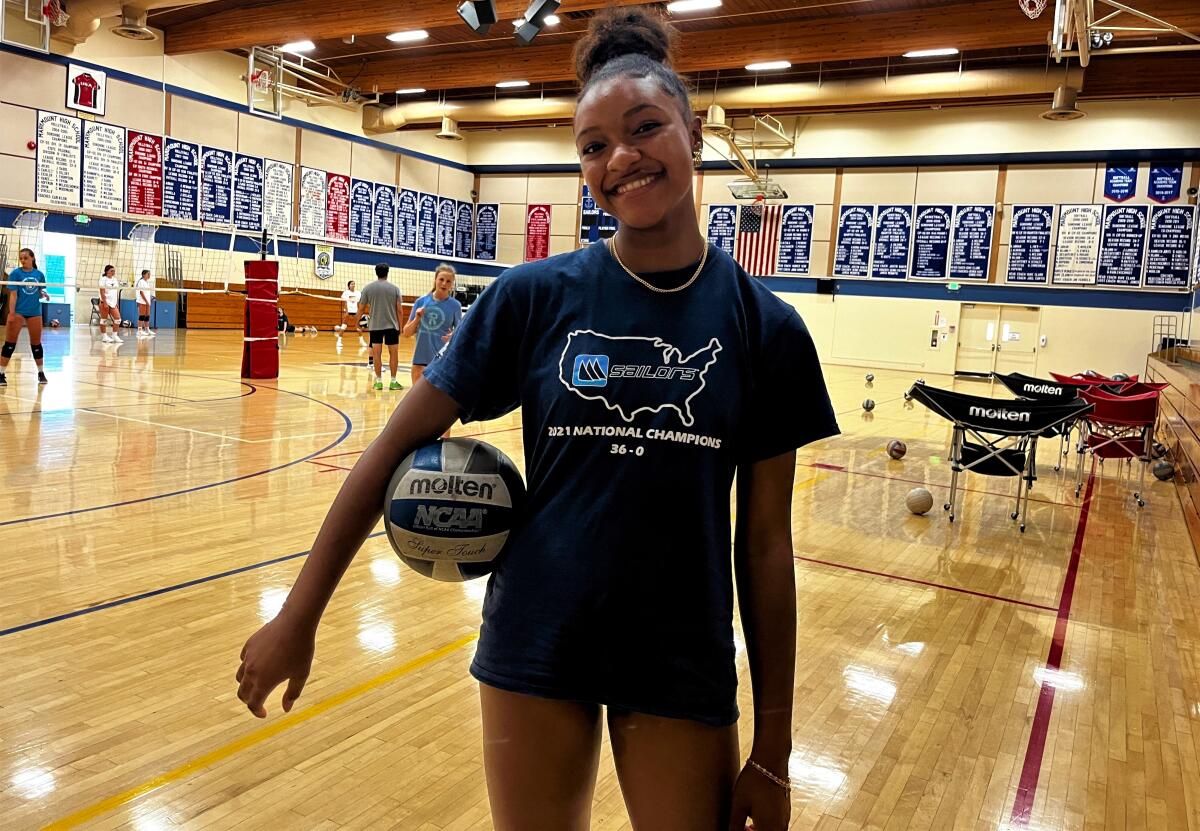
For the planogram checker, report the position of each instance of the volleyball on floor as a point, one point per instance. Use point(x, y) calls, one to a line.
point(450, 507)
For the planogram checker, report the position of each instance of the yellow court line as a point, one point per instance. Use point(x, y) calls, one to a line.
point(256, 737)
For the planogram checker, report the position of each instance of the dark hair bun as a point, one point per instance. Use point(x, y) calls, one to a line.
point(622, 31)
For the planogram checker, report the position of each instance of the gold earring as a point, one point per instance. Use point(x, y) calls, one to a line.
point(698, 157)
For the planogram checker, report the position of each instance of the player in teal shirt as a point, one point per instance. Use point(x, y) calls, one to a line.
point(433, 320)
point(26, 290)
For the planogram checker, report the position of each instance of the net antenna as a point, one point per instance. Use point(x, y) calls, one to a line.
point(764, 133)
point(1083, 28)
point(273, 75)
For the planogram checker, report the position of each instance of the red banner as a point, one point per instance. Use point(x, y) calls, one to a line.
point(144, 174)
point(537, 232)
point(337, 207)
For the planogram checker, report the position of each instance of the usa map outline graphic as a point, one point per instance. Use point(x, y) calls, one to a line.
point(669, 356)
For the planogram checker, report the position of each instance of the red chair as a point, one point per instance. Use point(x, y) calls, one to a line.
point(1119, 427)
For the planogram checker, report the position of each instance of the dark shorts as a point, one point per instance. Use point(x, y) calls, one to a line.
point(389, 336)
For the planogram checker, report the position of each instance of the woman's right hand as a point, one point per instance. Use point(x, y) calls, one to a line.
point(280, 651)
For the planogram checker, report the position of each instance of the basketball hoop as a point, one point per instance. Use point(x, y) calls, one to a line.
point(261, 80)
point(1032, 8)
point(54, 12)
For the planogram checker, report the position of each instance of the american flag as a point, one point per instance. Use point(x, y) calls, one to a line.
point(758, 238)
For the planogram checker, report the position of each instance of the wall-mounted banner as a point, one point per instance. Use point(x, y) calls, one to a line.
point(247, 193)
point(487, 227)
point(464, 230)
point(1077, 247)
point(1122, 245)
point(852, 257)
point(59, 159)
point(323, 261)
point(589, 218)
point(1168, 254)
point(722, 222)
point(312, 202)
point(1120, 181)
point(795, 239)
point(971, 243)
point(216, 186)
point(362, 206)
point(181, 179)
point(893, 241)
point(1029, 244)
point(86, 89)
point(931, 241)
point(337, 206)
point(447, 210)
point(608, 225)
point(278, 196)
point(144, 173)
point(537, 232)
point(103, 167)
point(1166, 182)
point(427, 205)
point(406, 220)
point(383, 224)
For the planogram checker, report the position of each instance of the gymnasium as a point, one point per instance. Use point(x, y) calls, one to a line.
point(984, 211)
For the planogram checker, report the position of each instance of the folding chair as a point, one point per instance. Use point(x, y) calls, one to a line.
point(996, 437)
point(1119, 427)
point(94, 318)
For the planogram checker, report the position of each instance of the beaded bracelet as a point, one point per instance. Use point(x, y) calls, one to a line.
point(783, 783)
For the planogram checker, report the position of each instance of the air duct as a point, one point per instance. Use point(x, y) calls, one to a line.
point(87, 15)
point(133, 25)
point(1063, 107)
point(449, 130)
point(980, 84)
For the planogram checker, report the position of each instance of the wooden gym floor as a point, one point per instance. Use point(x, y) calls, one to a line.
point(155, 510)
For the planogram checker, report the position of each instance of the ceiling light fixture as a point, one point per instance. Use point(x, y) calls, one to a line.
point(479, 15)
point(299, 46)
point(512, 84)
point(408, 37)
point(767, 66)
point(410, 91)
point(552, 20)
point(931, 53)
point(685, 6)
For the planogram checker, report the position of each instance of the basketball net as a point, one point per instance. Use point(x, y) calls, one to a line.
point(261, 80)
point(54, 12)
point(1032, 8)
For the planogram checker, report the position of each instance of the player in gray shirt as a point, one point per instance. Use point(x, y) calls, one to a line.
point(385, 302)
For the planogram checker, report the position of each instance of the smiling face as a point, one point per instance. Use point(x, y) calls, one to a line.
point(635, 149)
point(443, 285)
point(350, 285)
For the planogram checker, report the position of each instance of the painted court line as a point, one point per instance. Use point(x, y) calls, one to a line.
point(1031, 770)
point(257, 737)
point(163, 426)
point(932, 585)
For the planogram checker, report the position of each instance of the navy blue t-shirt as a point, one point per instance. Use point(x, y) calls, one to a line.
point(638, 407)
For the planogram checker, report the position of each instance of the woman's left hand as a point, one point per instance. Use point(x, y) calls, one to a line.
point(757, 798)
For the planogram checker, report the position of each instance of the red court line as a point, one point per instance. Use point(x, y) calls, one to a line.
point(1032, 768)
point(327, 467)
point(932, 585)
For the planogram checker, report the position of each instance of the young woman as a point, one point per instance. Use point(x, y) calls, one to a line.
point(145, 297)
point(433, 320)
point(25, 309)
point(110, 304)
point(617, 586)
point(349, 308)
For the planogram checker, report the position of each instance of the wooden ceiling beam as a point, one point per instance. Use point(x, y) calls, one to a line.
point(291, 20)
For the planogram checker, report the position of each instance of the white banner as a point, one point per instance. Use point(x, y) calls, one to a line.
point(277, 197)
point(323, 261)
point(103, 167)
point(59, 159)
point(312, 202)
point(1077, 250)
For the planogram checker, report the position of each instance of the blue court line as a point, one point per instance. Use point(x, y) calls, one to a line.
point(100, 607)
point(349, 426)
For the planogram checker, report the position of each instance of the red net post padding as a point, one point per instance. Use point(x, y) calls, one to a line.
point(260, 347)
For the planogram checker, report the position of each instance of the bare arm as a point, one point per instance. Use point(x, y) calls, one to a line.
point(282, 650)
point(411, 327)
point(767, 596)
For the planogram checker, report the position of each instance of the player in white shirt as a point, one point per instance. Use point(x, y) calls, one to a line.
point(110, 303)
point(145, 296)
point(350, 309)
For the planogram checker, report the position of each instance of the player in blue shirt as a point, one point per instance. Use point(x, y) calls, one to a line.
point(25, 293)
point(651, 370)
point(433, 320)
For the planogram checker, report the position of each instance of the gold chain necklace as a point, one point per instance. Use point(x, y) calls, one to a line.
point(612, 248)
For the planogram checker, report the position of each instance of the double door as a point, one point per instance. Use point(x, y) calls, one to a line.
point(999, 339)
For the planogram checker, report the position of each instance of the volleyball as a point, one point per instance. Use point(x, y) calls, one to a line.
point(450, 507)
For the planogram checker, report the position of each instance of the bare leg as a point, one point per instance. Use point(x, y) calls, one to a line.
point(540, 757)
point(377, 355)
point(34, 327)
point(417, 372)
point(393, 359)
point(675, 774)
point(12, 331)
